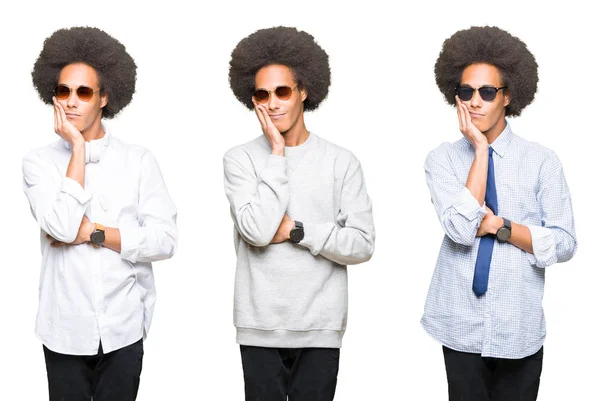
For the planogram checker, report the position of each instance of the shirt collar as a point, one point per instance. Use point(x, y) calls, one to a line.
point(94, 149)
point(501, 144)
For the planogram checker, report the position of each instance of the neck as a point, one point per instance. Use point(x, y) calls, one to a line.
point(94, 131)
point(494, 132)
point(297, 134)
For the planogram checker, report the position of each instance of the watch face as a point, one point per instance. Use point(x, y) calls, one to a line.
point(296, 235)
point(503, 234)
point(97, 237)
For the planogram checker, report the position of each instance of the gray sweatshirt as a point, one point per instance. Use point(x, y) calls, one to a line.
point(296, 295)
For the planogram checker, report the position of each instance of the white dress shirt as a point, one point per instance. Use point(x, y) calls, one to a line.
point(88, 294)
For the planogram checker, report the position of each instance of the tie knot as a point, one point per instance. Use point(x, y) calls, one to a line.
point(491, 151)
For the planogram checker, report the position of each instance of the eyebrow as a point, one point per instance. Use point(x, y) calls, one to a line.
point(278, 86)
point(75, 87)
point(482, 86)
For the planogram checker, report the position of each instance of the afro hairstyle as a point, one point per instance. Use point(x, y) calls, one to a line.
point(489, 45)
point(115, 68)
point(285, 46)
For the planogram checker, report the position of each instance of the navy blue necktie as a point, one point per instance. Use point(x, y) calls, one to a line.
point(486, 244)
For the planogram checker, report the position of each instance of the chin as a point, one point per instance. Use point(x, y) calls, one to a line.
point(282, 128)
point(482, 128)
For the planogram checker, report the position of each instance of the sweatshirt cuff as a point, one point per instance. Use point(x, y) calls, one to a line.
point(468, 206)
point(544, 247)
point(73, 188)
point(130, 243)
point(315, 236)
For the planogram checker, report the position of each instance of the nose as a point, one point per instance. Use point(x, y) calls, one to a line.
point(273, 102)
point(476, 99)
point(73, 99)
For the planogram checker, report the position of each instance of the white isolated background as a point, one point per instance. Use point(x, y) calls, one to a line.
point(383, 105)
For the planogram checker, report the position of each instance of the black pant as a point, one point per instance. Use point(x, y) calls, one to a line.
point(473, 378)
point(106, 377)
point(303, 374)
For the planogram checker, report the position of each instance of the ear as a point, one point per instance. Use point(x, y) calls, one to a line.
point(303, 94)
point(103, 100)
point(506, 98)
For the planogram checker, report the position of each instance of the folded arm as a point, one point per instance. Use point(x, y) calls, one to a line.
point(257, 202)
point(57, 203)
point(459, 212)
point(153, 236)
point(554, 240)
point(352, 239)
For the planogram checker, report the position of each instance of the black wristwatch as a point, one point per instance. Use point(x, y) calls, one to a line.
point(97, 237)
point(297, 233)
point(503, 233)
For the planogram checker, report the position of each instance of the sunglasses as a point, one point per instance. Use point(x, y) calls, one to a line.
point(487, 93)
point(282, 92)
point(84, 93)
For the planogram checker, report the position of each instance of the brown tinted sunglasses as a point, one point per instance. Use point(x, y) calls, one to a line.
point(282, 92)
point(84, 93)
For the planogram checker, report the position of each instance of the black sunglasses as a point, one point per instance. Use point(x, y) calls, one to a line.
point(487, 93)
point(282, 92)
point(84, 93)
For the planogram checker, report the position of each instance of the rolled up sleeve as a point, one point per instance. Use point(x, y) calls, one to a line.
point(460, 214)
point(554, 240)
point(57, 203)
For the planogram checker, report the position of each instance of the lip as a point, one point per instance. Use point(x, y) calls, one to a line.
point(72, 115)
point(276, 116)
point(476, 115)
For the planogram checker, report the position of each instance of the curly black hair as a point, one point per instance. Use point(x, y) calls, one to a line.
point(489, 45)
point(115, 68)
point(286, 46)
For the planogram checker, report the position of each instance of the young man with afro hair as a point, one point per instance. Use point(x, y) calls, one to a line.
point(301, 213)
point(104, 214)
point(505, 208)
